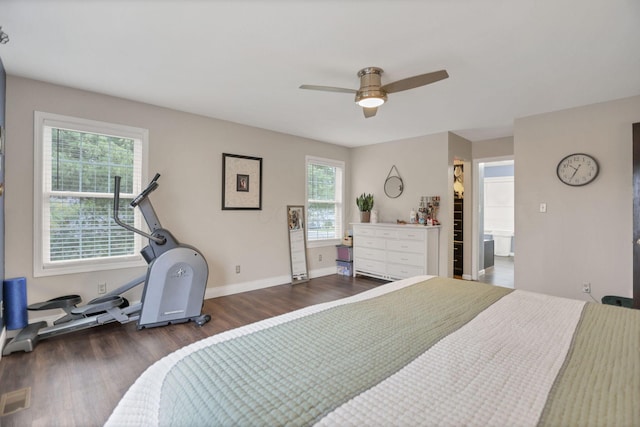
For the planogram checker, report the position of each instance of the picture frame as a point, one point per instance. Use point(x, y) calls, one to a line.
point(241, 182)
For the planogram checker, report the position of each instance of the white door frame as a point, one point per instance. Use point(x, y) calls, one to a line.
point(477, 209)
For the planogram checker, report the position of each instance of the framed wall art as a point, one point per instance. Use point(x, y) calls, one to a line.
point(241, 182)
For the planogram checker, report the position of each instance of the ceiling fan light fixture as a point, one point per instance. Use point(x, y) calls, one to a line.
point(371, 99)
point(370, 94)
point(371, 102)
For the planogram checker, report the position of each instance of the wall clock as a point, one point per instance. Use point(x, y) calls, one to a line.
point(577, 169)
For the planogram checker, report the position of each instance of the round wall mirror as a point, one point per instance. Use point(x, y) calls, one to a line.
point(393, 187)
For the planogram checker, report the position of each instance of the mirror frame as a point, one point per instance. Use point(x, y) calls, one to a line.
point(390, 181)
point(297, 244)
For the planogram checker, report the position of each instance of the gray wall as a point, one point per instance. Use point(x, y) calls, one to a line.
point(187, 150)
point(586, 234)
point(493, 148)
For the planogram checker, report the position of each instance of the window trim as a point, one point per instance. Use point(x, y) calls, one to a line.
point(332, 163)
point(42, 119)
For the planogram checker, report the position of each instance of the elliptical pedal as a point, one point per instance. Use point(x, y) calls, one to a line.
point(26, 339)
point(66, 301)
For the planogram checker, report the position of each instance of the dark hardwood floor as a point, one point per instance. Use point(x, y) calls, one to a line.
point(77, 379)
point(501, 274)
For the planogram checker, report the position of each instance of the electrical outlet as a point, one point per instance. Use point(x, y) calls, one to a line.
point(586, 287)
point(320, 257)
point(237, 269)
point(102, 288)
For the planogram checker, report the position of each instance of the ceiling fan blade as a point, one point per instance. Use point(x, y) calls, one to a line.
point(369, 112)
point(328, 89)
point(415, 81)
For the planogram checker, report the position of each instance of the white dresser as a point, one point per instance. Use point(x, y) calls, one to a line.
point(393, 251)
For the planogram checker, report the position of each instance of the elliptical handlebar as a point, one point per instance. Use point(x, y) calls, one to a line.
point(151, 187)
point(116, 206)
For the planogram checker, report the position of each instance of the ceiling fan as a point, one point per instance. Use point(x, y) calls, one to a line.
point(372, 94)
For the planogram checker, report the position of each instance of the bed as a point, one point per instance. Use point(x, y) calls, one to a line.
point(420, 351)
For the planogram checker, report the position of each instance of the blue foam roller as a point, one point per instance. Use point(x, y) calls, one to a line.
point(15, 303)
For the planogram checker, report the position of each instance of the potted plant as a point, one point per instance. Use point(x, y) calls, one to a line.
point(365, 204)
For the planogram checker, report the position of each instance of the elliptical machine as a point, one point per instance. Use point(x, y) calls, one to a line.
point(173, 292)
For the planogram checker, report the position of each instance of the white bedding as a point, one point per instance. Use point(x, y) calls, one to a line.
point(488, 373)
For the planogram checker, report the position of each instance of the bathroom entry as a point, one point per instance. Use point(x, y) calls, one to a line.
point(497, 222)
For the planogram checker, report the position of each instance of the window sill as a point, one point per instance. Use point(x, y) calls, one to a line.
point(73, 268)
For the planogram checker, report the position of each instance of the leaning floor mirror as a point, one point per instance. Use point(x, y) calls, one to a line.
point(297, 244)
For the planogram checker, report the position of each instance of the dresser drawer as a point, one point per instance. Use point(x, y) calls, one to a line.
point(366, 231)
point(370, 242)
point(370, 253)
point(411, 234)
point(398, 271)
point(387, 234)
point(369, 265)
point(406, 246)
point(407, 258)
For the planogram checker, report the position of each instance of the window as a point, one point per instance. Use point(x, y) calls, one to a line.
point(325, 188)
point(75, 162)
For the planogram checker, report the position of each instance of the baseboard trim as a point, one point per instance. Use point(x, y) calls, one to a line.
point(466, 277)
point(236, 288)
point(214, 292)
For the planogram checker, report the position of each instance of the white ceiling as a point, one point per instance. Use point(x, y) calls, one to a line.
point(243, 60)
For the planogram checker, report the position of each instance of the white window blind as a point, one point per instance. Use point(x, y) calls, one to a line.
point(76, 161)
point(325, 185)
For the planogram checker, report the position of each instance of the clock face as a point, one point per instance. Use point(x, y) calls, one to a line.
point(577, 169)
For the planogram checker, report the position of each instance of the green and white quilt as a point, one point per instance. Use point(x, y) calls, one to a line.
point(420, 351)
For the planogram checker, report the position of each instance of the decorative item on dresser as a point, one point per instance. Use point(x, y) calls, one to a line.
point(365, 204)
point(391, 251)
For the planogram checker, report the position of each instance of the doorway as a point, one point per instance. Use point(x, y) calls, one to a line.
point(496, 225)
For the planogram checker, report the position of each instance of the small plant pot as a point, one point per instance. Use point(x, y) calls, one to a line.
point(365, 216)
